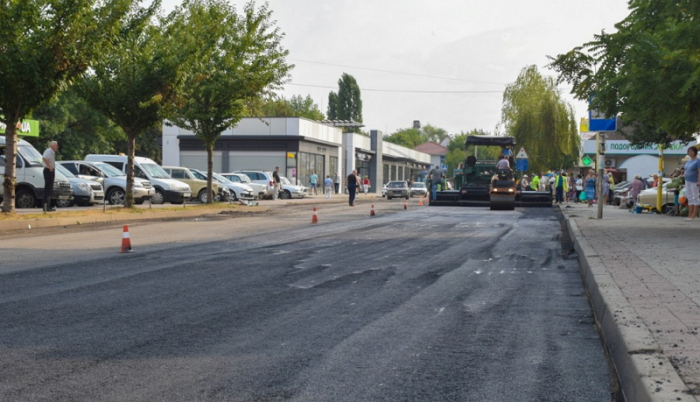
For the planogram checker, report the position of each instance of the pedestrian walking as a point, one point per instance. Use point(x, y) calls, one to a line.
point(435, 180)
point(314, 183)
point(329, 187)
point(276, 183)
point(48, 160)
point(606, 188)
point(579, 187)
point(692, 168)
point(352, 183)
point(336, 182)
point(590, 188)
point(365, 185)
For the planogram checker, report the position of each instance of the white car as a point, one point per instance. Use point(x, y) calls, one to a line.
point(648, 197)
point(239, 191)
point(290, 190)
point(260, 190)
point(261, 177)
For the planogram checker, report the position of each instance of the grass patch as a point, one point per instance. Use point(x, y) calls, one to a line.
point(69, 213)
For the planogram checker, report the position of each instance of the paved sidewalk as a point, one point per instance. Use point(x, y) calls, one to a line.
point(643, 279)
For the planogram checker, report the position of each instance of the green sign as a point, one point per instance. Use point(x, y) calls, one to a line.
point(586, 161)
point(26, 128)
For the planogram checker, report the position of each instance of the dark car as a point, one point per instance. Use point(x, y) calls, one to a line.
point(397, 189)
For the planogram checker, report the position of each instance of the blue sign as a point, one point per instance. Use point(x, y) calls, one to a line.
point(598, 122)
point(522, 165)
point(443, 166)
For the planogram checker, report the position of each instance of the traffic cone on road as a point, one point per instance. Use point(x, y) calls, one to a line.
point(126, 241)
point(405, 204)
point(314, 218)
point(420, 201)
point(371, 212)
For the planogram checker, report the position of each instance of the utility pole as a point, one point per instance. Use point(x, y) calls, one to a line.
point(600, 140)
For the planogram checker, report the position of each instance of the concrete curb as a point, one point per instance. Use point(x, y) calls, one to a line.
point(119, 217)
point(644, 373)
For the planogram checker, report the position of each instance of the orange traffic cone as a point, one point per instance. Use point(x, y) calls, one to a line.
point(371, 212)
point(405, 204)
point(126, 241)
point(420, 201)
point(314, 218)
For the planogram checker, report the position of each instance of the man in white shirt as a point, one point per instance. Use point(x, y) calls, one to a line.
point(49, 162)
point(503, 163)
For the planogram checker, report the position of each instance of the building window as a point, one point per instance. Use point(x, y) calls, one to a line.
point(333, 168)
point(393, 172)
point(385, 174)
point(309, 163)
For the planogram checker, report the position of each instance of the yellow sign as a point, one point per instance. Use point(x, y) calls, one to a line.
point(291, 155)
point(583, 127)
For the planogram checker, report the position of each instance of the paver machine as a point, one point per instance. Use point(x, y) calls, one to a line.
point(479, 183)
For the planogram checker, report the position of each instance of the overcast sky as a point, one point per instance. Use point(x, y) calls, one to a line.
point(467, 45)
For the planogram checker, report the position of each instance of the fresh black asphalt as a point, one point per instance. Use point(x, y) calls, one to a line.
point(435, 304)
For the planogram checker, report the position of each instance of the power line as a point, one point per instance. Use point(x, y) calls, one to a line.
point(397, 72)
point(401, 90)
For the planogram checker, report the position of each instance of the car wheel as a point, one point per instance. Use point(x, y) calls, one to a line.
point(233, 196)
point(202, 196)
point(158, 198)
point(285, 195)
point(64, 203)
point(116, 196)
point(25, 199)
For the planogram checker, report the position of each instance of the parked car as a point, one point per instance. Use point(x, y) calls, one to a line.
point(418, 188)
point(258, 189)
point(167, 188)
point(198, 185)
point(113, 181)
point(261, 177)
point(648, 197)
point(397, 189)
point(29, 173)
point(236, 191)
point(290, 190)
point(85, 192)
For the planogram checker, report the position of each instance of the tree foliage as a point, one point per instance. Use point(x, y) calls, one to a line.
point(45, 44)
point(649, 70)
point(541, 121)
point(412, 137)
point(296, 106)
point(234, 59)
point(134, 82)
point(346, 104)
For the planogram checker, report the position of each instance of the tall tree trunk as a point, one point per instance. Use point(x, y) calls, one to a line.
point(10, 179)
point(130, 151)
point(210, 171)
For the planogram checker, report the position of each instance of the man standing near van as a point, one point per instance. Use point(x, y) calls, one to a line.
point(276, 183)
point(49, 162)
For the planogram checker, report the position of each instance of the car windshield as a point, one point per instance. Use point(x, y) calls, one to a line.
point(29, 153)
point(64, 171)
point(154, 171)
point(285, 181)
point(418, 185)
point(109, 170)
point(396, 184)
point(198, 175)
point(221, 178)
point(244, 178)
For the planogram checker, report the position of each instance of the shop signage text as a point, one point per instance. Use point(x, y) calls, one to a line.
point(622, 147)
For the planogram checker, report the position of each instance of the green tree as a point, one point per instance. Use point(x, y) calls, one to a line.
point(134, 82)
point(45, 44)
point(412, 137)
point(78, 128)
point(434, 134)
point(541, 121)
point(332, 106)
point(347, 103)
point(648, 70)
point(235, 59)
point(305, 107)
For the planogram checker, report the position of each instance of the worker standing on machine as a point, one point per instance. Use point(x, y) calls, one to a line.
point(503, 164)
point(435, 180)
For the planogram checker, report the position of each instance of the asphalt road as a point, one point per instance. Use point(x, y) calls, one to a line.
point(430, 304)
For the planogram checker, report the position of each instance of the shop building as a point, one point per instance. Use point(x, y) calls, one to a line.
point(297, 145)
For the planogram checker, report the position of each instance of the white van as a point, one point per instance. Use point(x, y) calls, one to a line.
point(167, 188)
point(29, 190)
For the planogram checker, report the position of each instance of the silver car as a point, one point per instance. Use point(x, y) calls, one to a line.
point(112, 179)
point(85, 192)
point(289, 190)
point(397, 189)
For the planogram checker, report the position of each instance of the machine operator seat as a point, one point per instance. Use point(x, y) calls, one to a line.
point(471, 160)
